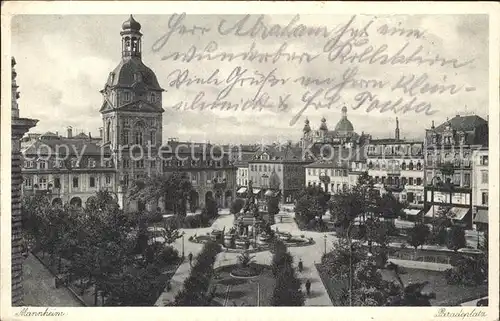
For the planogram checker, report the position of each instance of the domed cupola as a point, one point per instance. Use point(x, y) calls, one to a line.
point(131, 24)
point(323, 126)
point(344, 125)
point(131, 71)
point(307, 127)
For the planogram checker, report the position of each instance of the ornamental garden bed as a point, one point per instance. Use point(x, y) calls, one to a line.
point(242, 291)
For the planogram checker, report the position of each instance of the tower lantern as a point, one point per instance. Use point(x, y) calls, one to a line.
point(131, 38)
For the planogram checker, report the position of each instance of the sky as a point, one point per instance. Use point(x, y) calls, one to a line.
point(63, 61)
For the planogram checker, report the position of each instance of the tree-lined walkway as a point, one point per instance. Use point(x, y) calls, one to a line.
point(309, 255)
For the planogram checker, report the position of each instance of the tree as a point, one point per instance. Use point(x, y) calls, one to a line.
point(195, 287)
point(287, 290)
point(456, 238)
point(237, 206)
point(346, 206)
point(281, 257)
point(418, 234)
point(312, 202)
point(273, 205)
point(341, 261)
point(174, 189)
point(389, 206)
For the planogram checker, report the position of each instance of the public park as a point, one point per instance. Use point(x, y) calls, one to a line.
point(346, 249)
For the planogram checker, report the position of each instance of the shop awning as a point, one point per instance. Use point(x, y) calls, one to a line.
point(481, 216)
point(433, 211)
point(412, 212)
point(241, 190)
point(458, 213)
point(256, 191)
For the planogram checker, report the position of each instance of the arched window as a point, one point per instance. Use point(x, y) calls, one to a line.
point(410, 166)
point(403, 165)
point(152, 137)
point(419, 166)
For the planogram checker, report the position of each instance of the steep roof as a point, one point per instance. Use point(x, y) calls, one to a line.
point(66, 146)
point(463, 123)
point(124, 75)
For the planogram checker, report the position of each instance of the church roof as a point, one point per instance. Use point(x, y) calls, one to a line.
point(125, 74)
point(344, 125)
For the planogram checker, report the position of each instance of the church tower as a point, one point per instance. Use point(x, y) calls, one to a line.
point(132, 110)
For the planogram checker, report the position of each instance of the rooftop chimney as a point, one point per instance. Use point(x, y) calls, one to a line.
point(70, 132)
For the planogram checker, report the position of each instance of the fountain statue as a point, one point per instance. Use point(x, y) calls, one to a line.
point(250, 204)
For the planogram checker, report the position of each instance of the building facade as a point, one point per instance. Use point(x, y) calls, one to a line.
point(397, 166)
point(285, 163)
point(480, 187)
point(68, 169)
point(130, 145)
point(19, 127)
point(448, 165)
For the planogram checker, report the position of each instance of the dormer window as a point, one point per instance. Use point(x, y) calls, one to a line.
point(126, 96)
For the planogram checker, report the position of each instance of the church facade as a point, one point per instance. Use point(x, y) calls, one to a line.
point(130, 145)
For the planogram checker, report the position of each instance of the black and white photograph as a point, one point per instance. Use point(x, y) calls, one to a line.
point(238, 159)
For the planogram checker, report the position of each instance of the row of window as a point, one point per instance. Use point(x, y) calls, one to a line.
point(448, 138)
point(328, 172)
point(73, 163)
point(152, 97)
point(192, 163)
point(137, 164)
point(395, 166)
point(397, 180)
point(333, 187)
point(137, 137)
point(43, 182)
point(456, 179)
point(265, 168)
point(396, 149)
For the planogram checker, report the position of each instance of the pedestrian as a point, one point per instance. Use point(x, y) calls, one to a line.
point(301, 265)
point(190, 257)
point(308, 287)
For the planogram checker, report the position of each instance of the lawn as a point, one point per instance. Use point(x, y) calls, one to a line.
point(232, 291)
point(446, 294)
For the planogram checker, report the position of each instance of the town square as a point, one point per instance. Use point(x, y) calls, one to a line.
point(149, 191)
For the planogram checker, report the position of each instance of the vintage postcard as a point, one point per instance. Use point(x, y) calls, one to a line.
point(168, 155)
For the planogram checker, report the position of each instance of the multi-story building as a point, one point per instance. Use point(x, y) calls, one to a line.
point(480, 187)
point(209, 169)
point(448, 168)
point(285, 162)
point(397, 166)
point(68, 169)
point(331, 174)
point(338, 172)
point(130, 145)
